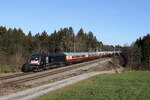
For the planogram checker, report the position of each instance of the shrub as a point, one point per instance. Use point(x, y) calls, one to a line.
point(8, 68)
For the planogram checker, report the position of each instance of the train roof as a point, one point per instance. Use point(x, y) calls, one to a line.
point(76, 53)
point(57, 54)
point(52, 54)
point(80, 53)
point(85, 53)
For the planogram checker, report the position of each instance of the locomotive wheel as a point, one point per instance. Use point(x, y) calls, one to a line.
point(46, 68)
point(25, 68)
point(37, 69)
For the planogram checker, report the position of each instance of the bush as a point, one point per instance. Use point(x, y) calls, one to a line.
point(8, 68)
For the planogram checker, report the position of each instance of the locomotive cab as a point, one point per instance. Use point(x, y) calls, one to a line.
point(39, 61)
point(35, 60)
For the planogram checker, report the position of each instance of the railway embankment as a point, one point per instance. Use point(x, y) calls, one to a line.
point(32, 82)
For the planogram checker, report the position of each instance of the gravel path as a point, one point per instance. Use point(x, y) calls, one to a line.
point(41, 90)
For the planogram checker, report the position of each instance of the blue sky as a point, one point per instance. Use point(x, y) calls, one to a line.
point(112, 21)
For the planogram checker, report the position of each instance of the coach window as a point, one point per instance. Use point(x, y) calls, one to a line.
point(73, 56)
point(83, 56)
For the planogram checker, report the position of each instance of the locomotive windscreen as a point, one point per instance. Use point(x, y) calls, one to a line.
point(35, 58)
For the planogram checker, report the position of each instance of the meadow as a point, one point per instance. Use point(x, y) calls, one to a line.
point(124, 86)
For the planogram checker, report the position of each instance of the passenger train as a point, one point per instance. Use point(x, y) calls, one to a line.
point(46, 61)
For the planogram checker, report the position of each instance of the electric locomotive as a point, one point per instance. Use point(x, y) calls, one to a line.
point(44, 61)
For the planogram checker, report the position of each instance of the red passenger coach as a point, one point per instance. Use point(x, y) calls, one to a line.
point(82, 56)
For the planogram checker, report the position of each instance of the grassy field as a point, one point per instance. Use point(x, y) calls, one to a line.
point(125, 86)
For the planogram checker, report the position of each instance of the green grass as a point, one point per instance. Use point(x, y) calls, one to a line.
point(8, 69)
point(125, 86)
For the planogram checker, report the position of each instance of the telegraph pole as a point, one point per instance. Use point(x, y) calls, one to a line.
point(74, 42)
point(114, 51)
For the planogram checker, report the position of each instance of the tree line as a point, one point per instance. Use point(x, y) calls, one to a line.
point(16, 46)
point(138, 54)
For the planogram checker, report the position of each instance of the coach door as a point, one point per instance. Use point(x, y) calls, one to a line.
point(47, 59)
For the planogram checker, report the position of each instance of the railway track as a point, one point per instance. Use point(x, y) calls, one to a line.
point(15, 75)
point(19, 81)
